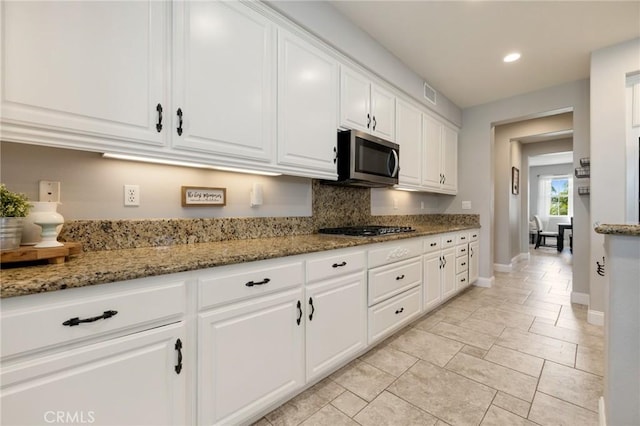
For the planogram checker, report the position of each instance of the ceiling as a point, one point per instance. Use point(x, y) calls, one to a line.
point(458, 46)
point(550, 159)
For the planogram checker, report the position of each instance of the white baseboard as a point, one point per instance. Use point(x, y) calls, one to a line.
point(498, 267)
point(485, 282)
point(602, 418)
point(595, 317)
point(580, 298)
point(522, 257)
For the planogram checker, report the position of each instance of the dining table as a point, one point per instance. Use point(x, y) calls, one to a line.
point(561, 228)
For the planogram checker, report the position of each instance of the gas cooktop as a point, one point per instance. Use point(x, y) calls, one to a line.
point(367, 230)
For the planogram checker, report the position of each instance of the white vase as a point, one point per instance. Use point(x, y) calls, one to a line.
point(44, 212)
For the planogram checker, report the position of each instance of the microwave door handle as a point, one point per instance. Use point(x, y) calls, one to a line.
point(396, 164)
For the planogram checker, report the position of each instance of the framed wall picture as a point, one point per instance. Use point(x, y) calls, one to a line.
point(202, 196)
point(515, 181)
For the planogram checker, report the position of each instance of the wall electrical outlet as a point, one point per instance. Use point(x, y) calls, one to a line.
point(132, 195)
point(49, 191)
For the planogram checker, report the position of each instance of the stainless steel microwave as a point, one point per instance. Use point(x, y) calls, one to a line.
point(366, 160)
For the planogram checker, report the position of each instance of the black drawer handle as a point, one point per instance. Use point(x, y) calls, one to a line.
point(449, 241)
point(299, 306)
point(463, 280)
point(179, 129)
point(463, 263)
point(463, 250)
point(313, 309)
point(252, 283)
point(337, 265)
point(76, 321)
point(399, 311)
point(159, 123)
point(433, 244)
point(401, 277)
point(178, 347)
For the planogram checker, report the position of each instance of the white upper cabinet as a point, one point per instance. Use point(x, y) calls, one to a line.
point(366, 106)
point(307, 106)
point(224, 80)
point(84, 74)
point(449, 160)
point(440, 156)
point(409, 137)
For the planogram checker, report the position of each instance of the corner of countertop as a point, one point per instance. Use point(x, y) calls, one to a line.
point(629, 229)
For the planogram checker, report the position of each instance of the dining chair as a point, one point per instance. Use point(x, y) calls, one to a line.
point(542, 234)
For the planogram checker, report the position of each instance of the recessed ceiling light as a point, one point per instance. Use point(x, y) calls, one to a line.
point(511, 57)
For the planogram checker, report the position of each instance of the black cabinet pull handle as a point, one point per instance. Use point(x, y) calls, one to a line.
point(252, 283)
point(335, 155)
point(401, 277)
point(338, 265)
point(441, 265)
point(464, 263)
point(178, 348)
point(449, 241)
point(374, 122)
point(313, 309)
point(399, 311)
point(463, 280)
point(444, 262)
point(159, 123)
point(179, 112)
point(368, 120)
point(433, 244)
point(463, 250)
point(299, 306)
point(470, 251)
point(77, 321)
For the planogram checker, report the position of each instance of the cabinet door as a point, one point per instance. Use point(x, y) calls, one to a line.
point(224, 79)
point(383, 112)
point(307, 107)
point(409, 137)
point(474, 265)
point(432, 265)
point(250, 354)
point(450, 160)
point(448, 273)
point(84, 71)
point(130, 380)
point(336, 329)
point(431, 171)
point(355, 100)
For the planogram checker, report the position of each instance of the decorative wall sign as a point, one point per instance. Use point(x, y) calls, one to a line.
point(201, 196)
point(515, 181)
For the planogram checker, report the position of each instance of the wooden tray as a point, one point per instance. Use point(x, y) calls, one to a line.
point(51, 254)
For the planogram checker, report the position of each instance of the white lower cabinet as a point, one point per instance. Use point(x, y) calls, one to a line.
point(131, 380)
point(335, 323)
point(474, 252)
point(391, 315)
point(104, 357)
point(250, 355)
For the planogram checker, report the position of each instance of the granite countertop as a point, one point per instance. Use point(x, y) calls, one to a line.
point(99, 267)
point(622, 229)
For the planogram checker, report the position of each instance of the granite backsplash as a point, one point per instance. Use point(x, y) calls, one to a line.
point(333, 206)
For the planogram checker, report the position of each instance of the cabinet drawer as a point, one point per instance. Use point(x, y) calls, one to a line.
point(334, 265)
point(448, 240)
point(238, 282)
point(462, 264)
point(387, 281)
point(462, 280)
point(473, 235)
point(431, 244)
point(393, 252)
point(462, 250)
point(46, 324)
point(462, 238)
point(389, 316)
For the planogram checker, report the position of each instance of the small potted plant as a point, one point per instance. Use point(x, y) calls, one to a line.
point(13, 208)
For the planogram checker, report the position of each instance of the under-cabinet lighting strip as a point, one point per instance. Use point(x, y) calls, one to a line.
point(184, 164)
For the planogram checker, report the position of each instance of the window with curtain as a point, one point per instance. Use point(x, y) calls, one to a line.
point(555, 195)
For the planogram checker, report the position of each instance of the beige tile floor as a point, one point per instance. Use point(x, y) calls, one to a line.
point(518, 353)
